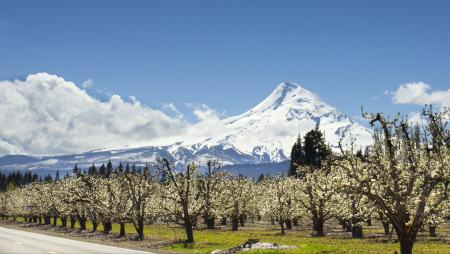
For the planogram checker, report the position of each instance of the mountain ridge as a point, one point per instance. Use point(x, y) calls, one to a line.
point(262, 135)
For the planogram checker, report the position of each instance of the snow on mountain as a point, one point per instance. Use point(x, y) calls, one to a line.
point(267, 132)
point(264, 134)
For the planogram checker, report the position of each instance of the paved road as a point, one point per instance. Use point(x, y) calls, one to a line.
point(20, 242)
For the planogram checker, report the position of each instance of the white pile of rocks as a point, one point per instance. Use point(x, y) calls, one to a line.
point(268, 246)
point(253, 244)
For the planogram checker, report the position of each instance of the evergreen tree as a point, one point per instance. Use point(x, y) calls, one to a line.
point(120, 168)
point(109, 169)
point(262, 177)
point(296, 156)
point(312, 152)
point(2, 182)
point(102, 170)
point(315, 148)
point(75, 169)
point(92, 170)
point(48, 178)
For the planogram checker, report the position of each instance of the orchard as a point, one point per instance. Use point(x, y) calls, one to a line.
point(403, 181)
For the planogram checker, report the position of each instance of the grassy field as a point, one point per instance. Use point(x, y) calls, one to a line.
point(337, 241)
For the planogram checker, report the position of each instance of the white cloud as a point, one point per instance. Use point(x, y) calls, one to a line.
point(210, 123)
point(203, 113)
point(87, 84)
point(45, 114)
point(385, 93)
point(171, 109)
point(419, 93)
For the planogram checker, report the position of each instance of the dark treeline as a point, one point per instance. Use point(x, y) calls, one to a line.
point(108, 169)
point(17, 179)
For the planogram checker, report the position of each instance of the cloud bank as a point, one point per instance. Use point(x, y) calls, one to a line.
point(419, 93)
point(45, 114)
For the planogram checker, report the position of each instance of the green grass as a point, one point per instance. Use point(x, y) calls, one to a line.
point(209, 240)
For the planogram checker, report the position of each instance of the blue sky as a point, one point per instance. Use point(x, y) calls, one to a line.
point(231, 54)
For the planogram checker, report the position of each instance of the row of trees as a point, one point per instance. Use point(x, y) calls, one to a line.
point(14, 179)
point(403, 180)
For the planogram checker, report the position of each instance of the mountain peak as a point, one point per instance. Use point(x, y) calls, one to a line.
point(292, 89)
point(286, 86)
point(285, 93)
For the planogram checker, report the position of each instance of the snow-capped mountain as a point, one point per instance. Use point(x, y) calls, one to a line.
point(267, 132)
point(263, 135)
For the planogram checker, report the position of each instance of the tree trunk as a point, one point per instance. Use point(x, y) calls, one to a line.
point(82, 222)
point(72, 222)
point(94, 225)
point(47, 220)
point(210, 222)
point(140, 229)
point(189, 231)
point(432, 230)
point(288, 224)
point(369, 221)
point(406, 246)
point(234, 223)
point(64, 222)
point(223, 221)
point(406, 239)
point(107, 227)
point(122, 229)
point(386, 227)
point(39, 219)
point(55, 221)
point(357, 231)
point(295, 221)
point(282, 226)
point(242, 220)
point(188, 223)
point(318, 227)
point(348, 226)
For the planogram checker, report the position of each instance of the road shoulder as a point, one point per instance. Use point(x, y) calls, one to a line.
point(87, 237)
